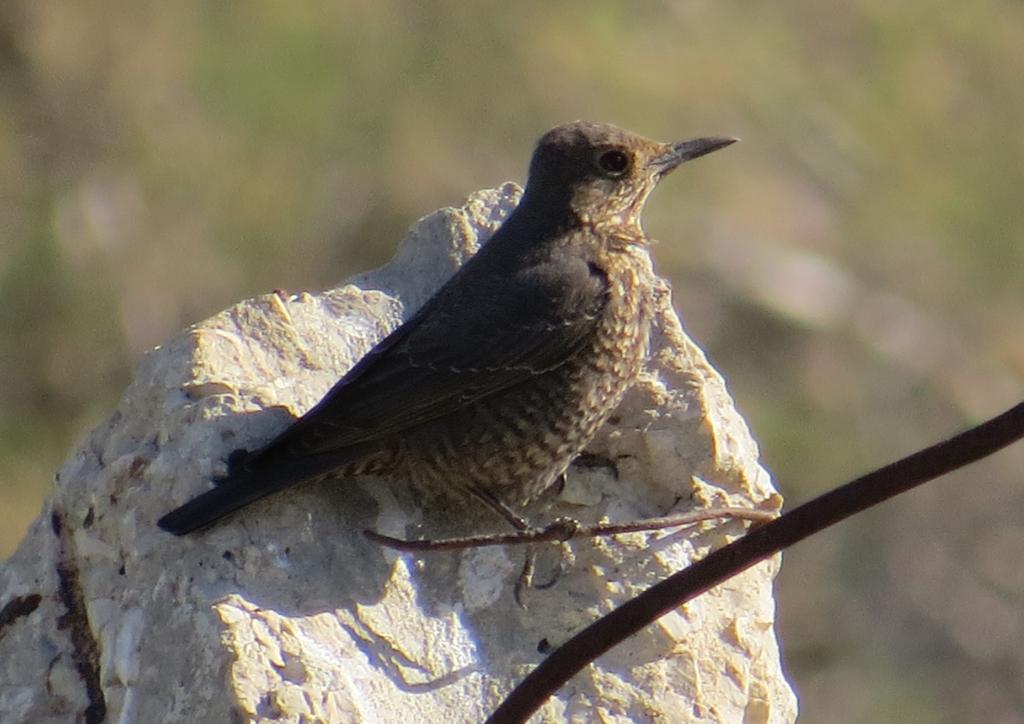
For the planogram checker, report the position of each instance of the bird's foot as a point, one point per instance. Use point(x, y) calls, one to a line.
point(526, 579)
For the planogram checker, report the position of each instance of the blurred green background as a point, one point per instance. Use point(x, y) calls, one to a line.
point(854, 267)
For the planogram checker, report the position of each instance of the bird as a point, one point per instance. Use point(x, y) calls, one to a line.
point(498, 382)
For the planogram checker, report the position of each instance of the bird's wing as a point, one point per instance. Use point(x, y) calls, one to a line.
point(473, 339)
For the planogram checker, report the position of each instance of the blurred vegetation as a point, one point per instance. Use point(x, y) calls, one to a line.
point(854, 267)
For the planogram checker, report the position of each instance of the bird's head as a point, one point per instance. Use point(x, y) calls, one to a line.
point(601, 174)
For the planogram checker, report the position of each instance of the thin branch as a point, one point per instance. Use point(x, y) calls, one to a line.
point(565, 529)
point(759, 544)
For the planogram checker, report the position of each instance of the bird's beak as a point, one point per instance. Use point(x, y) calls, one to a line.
point(689, 150)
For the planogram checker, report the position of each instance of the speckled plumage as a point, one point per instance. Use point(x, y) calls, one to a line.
point(505, 374)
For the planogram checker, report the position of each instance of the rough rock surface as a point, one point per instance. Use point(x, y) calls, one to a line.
point(286, 612)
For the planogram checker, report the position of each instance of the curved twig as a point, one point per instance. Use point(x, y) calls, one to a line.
point(757, 545)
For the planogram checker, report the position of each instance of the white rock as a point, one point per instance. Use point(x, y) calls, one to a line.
point(286, 612)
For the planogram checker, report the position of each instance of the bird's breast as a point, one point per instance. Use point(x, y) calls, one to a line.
point(619, 347)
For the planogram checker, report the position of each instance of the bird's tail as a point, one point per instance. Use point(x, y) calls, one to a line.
point(214, 504)
point(245, 484)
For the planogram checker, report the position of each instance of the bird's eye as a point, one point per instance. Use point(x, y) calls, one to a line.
point(614, 163)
